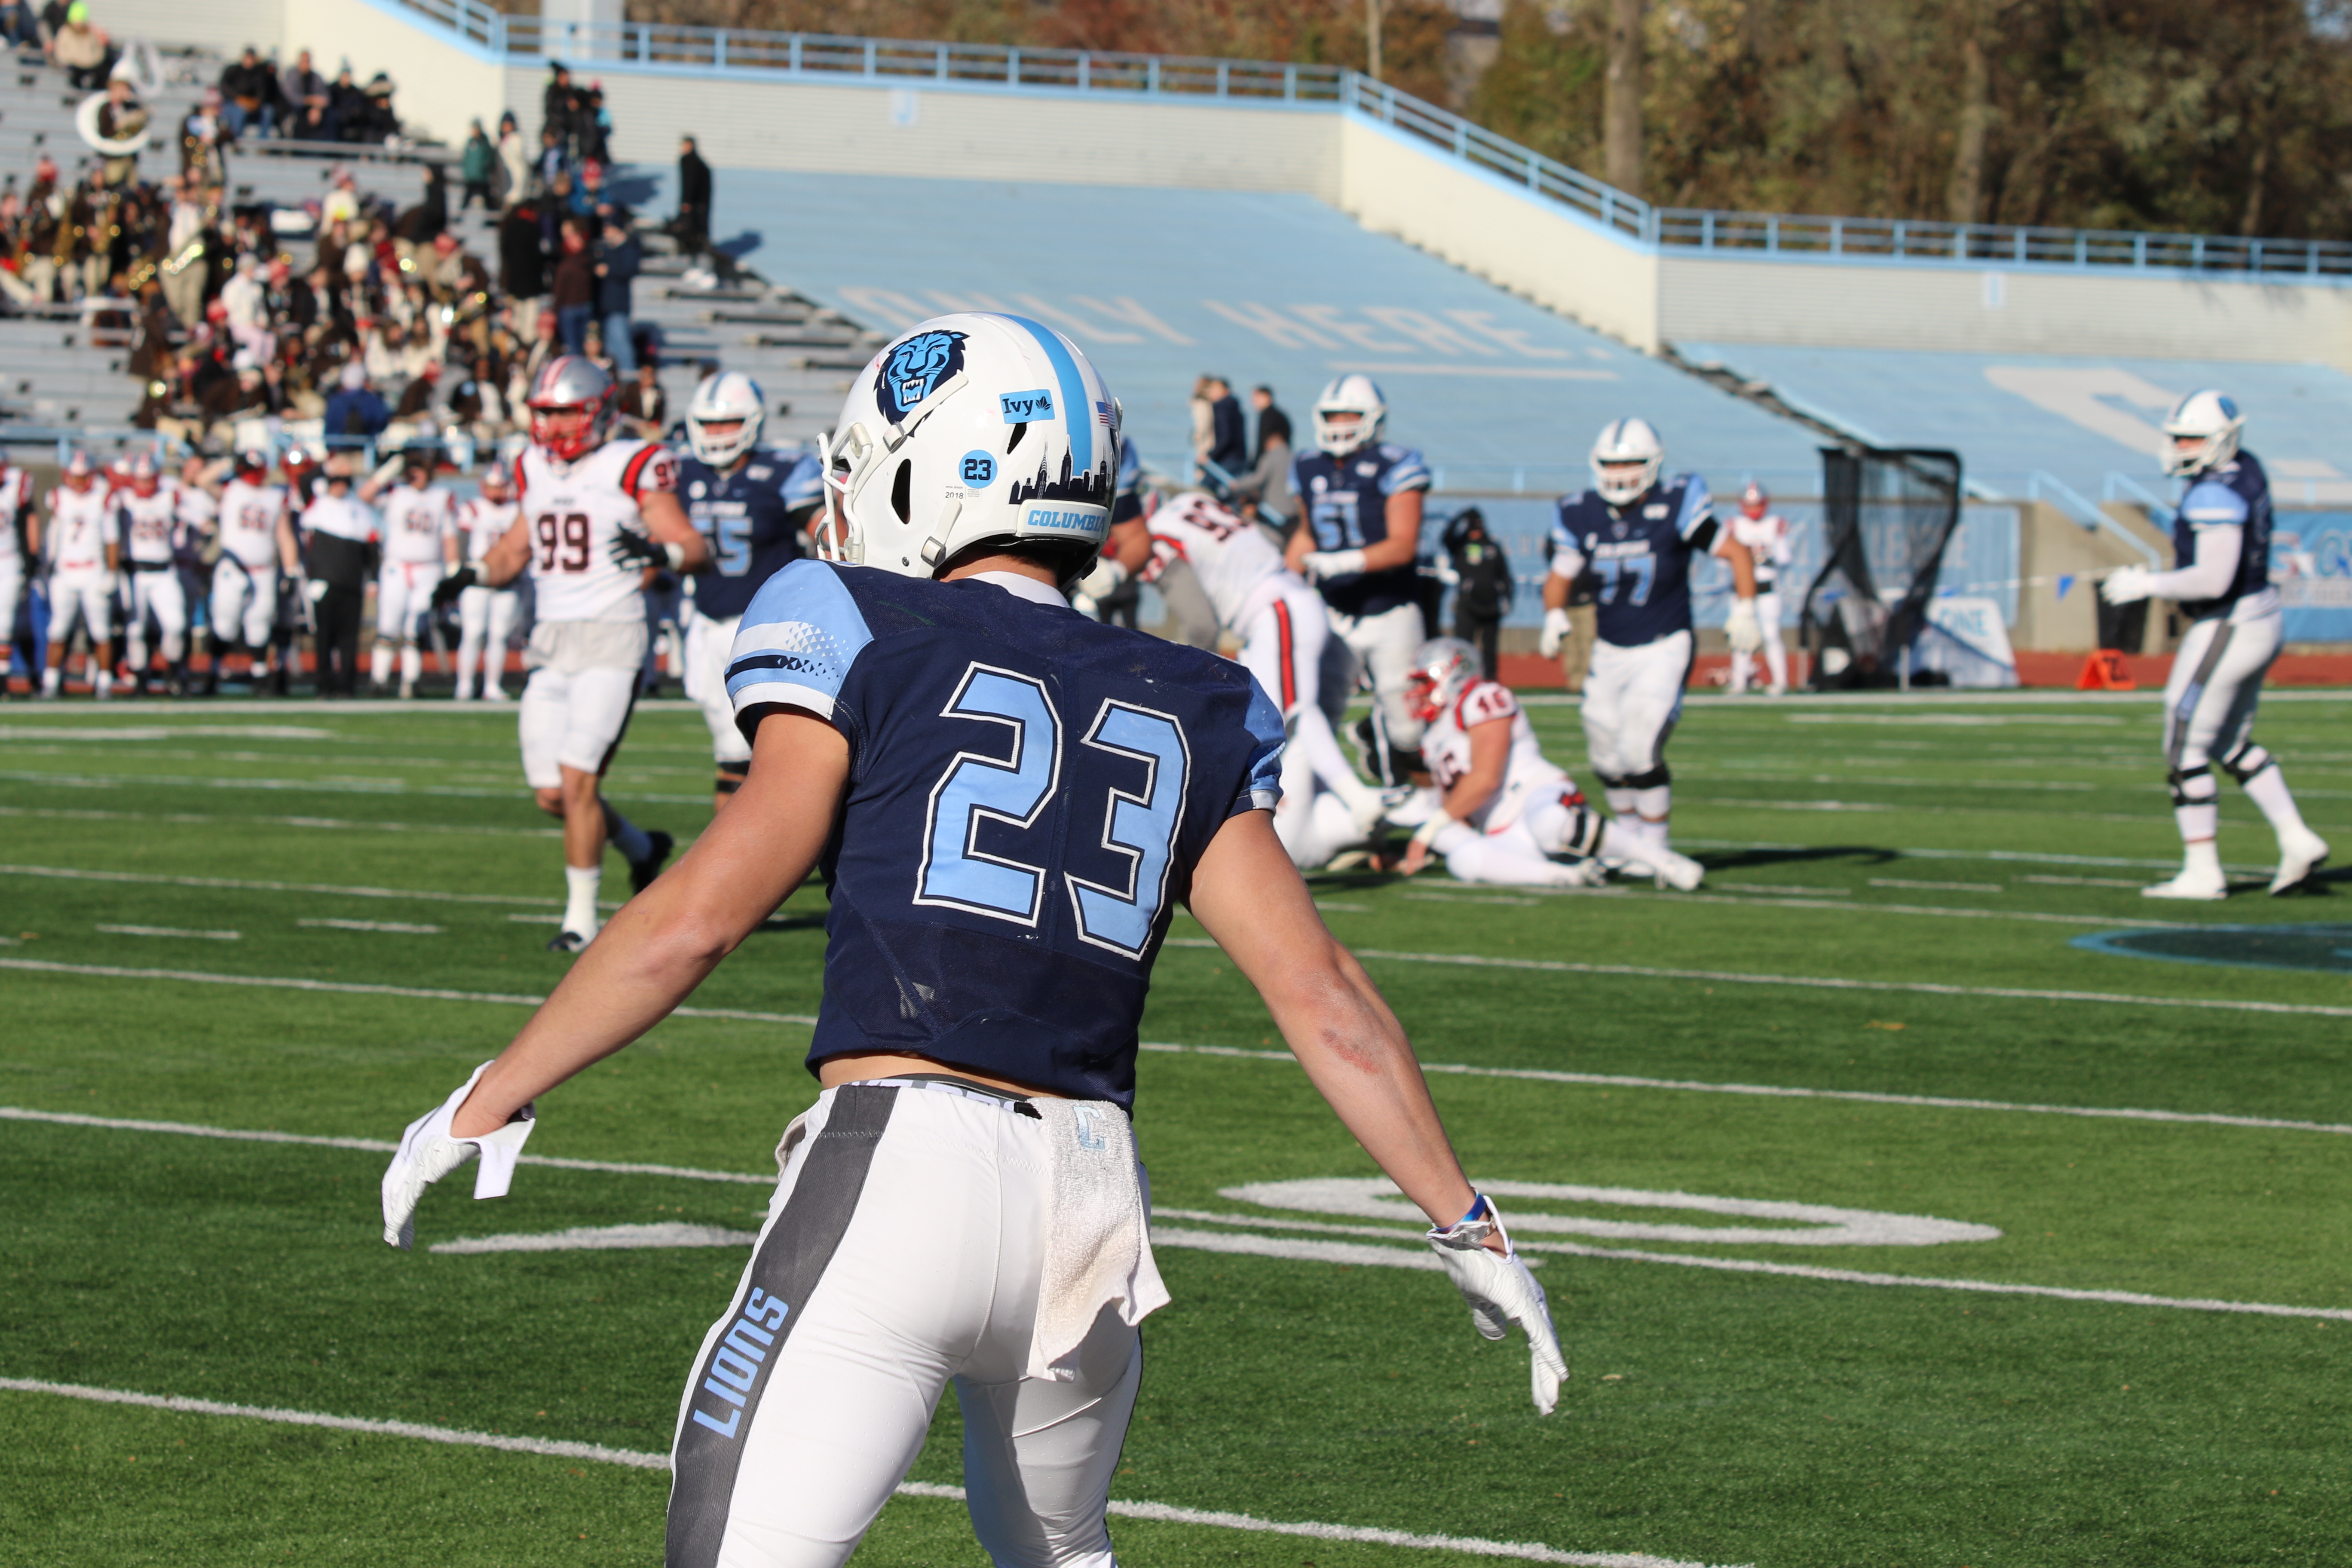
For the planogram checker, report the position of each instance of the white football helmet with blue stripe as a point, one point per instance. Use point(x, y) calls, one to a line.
point(1358, 396)
point(1627, 457)
point(2201, 432)
point(971, 429)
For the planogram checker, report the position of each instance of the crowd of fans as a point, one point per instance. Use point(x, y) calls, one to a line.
point(353, 323)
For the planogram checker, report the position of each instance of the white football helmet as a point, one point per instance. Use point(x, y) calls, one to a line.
point(1621, 444)
point(1359, 395)
point(1442, 669)
point(2201, 432)
point(1755, 500)
point(966, 429)
point(729, 395)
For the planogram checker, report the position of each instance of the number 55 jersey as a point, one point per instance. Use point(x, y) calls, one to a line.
point(1028, 794)
point(574, 512)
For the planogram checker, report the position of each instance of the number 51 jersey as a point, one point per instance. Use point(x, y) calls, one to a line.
point(1029, 792)
point(574, 512)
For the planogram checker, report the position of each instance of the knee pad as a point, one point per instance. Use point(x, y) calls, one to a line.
point(1655, 778)
point(2246, 762)
point(1613, 780)
point(2193, 787)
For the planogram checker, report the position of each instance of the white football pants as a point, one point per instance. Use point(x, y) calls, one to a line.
point(158, 594)
point(1313, 825)
point(12, 594)
point(1386, 644)
point(404, 593)
point(1776, 654)
point(84, 599)
point(1518, 853)
point(709, 645)
point(245, 602)
point(1632, 699)
point(904, 1248)
point(486, 619)
point(2215, 687)
point(1289, 647)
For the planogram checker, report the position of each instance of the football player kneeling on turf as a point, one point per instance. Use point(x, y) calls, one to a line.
point(1503, 811)
point(1010, 800)
point(2221, 539)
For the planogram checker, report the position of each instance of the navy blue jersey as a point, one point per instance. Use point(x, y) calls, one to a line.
point(1638, 555)
point(1029, 791)
point(2235, 495)
point(1346, 505)
point(747, 516)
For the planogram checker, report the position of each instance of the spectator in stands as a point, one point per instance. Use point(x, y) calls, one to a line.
point(201, 135)
point(691, 227)
point(574, 292)
point(596, 125)
point(1201, 406)
point(122, 117)
point(379, 124)
point(1481, 579)
point(300, 86)
point(522, 265)
point(315, 119)
point(556, 108)
point(514, 159)
point(1263, 493)
point(591, 197)
point(1272, 423)
point(184, 269)
point(619, 260)
point(248, 316)
point(20, 29)
point(250, 95)
point(349, 104)
point(553, 158)
point(477, 166)
point(1228, 434)
point(84, 50)
point(355, 415)
point(642, 404)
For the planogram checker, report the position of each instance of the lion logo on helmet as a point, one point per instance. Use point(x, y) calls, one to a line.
point(914, 370)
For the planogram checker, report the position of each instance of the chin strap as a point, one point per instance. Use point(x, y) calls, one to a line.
point(935, 548)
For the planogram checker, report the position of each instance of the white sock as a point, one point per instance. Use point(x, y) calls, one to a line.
point(101, 679)
point(2203, 860)
point(626, 836)
point(2200, 822)
point(580, 885)
point(379, 664)
point(1620, 802)
point(412, 664)
point(2268, 790)
point(52, 677)
point(1654, 804)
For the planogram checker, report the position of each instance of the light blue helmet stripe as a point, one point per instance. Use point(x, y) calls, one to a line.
point(1077, 408)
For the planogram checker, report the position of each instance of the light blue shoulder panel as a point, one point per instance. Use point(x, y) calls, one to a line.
point(797, 641)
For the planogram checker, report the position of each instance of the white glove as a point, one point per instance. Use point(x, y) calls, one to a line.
point(315, 589)
point(1747, 635)
point(427, 1154)
point(1321, 563)
point(1099, 582)
point(1555, 628)
point(2125, 586)
point(1501, 1292)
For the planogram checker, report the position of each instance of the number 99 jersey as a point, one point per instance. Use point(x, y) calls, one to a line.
point(1028, 794)
point(574, 512)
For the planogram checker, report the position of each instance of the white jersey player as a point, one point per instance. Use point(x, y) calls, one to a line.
point(1765, 532)
point(594, 514)
point(420, 520)
point(1288, 646)
point(20, 546)
point(2221, 543)
point(1503, 809)
point(257, 543)
point(84, 556)
point(150, 515)
point(486, 617)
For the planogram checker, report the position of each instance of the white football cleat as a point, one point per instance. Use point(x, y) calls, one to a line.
point(1679, 872)
point(2192, 883)
point(2297, 860)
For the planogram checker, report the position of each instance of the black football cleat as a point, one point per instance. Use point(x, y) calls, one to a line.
point(657, 847)
point(566, 941)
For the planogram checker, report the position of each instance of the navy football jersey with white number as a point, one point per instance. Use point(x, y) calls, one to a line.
point(1346, 503)
point(1638, 555)
point(1029, 791)
point(747, 518)
point(2235, 495)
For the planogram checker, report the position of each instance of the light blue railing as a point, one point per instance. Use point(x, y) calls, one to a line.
point(910, 63)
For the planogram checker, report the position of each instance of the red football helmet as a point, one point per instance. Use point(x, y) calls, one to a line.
point(1442, 669)
point(571, 405)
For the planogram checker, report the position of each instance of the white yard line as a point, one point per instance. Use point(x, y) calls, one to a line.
point(552, 1447)
point(331, 823)
point(360, 988)
point(172, 930)
point(379, 787)
point(375, 925)
point(1940, 887)
point(2026, 856)
point(73, 874)
point(1826, 983)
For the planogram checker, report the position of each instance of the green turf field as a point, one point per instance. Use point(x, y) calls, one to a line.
point(1838, 1383)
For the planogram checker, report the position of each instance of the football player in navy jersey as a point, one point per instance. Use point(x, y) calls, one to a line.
point(2221, 543)
point(1008, 801)
point(753, 507)
point(1360, 498)
point(1638, 531)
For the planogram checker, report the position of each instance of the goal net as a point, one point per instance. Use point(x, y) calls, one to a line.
point(1888, 516)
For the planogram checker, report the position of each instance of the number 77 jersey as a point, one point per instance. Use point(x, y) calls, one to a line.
point(1029, 792)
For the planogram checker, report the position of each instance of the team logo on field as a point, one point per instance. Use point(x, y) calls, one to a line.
point(913, 371)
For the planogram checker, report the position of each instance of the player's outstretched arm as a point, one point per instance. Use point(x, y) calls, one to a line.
point(654, 952)
point(1247, 896)
point(647, 960)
